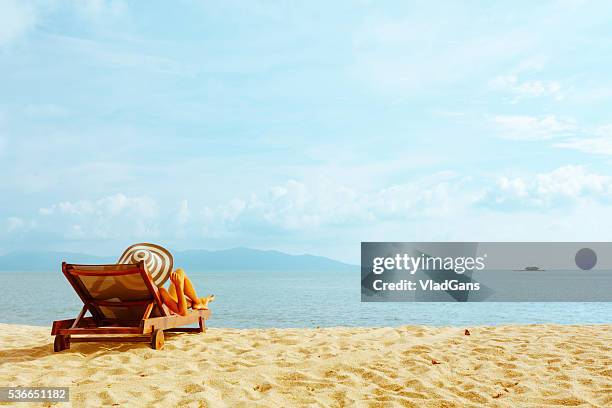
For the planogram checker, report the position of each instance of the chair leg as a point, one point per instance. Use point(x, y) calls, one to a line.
point(202, 325)
point(157, 340)
point(61, 343)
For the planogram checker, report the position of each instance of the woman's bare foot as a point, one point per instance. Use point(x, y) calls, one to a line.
point(202, 304)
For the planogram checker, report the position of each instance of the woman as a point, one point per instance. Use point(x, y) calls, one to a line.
point(181, 295)
point(159, 262)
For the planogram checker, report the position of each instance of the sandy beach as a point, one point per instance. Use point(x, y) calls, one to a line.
point(505, 366)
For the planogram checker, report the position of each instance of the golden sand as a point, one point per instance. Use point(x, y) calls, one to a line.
point(505, 366)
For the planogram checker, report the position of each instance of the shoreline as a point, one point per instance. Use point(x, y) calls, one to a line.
point(507, 365)
point(431, 326)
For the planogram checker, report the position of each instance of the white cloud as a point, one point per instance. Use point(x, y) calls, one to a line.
point(311, 214)
point(296, 206)
point(14, 223)
point(184, 214)
point(111, 205)
point(399, 53)
point(524, 127)
point(113, 56)
point(46, 111)
point(16, 18)
point(567, 185)
point(527, 89)
point(600, 144)
point(3, 132)
point(565, 131)
point(532, 64)
point(291, 206)
point(17, 226)
point(110, 217)
point(100, 9)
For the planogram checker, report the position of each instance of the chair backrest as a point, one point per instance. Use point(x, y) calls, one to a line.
point(120, 292)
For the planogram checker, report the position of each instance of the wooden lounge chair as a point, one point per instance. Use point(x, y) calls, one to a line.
point(122, 301)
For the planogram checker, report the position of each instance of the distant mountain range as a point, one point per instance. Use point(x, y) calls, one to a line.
point(195, 260)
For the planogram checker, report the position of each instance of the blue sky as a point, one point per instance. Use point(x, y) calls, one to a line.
point(303, 128)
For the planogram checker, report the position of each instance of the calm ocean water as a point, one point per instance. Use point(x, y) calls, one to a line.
point(292, 299)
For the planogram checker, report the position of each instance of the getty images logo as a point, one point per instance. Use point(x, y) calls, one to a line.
point(410, 264)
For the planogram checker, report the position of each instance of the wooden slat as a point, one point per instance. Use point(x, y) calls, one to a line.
point(104, 266)
point(102, 330)
point(61, 324)
point(91, 339)
point(170, 322)
point(80, 272)
point(202, 324)
point(123, 303)
point(148, 311)
point(184, 330)
point(152, 289)
point(109, 321)
point(79, 317)
point(81, 291)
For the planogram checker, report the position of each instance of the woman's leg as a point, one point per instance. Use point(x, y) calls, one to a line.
point(175, 297)
point(190, 292)
point(169, 299)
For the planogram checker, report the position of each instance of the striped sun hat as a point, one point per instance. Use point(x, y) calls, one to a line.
point(157, 259)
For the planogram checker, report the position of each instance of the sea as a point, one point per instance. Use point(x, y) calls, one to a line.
point(263, 299)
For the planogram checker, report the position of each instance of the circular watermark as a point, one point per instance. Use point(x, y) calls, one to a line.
point(586, 259)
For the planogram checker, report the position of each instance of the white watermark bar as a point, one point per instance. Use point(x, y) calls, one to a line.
point(34, 394)
point(486, 271)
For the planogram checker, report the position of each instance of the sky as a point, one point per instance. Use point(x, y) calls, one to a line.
point(303, 127)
